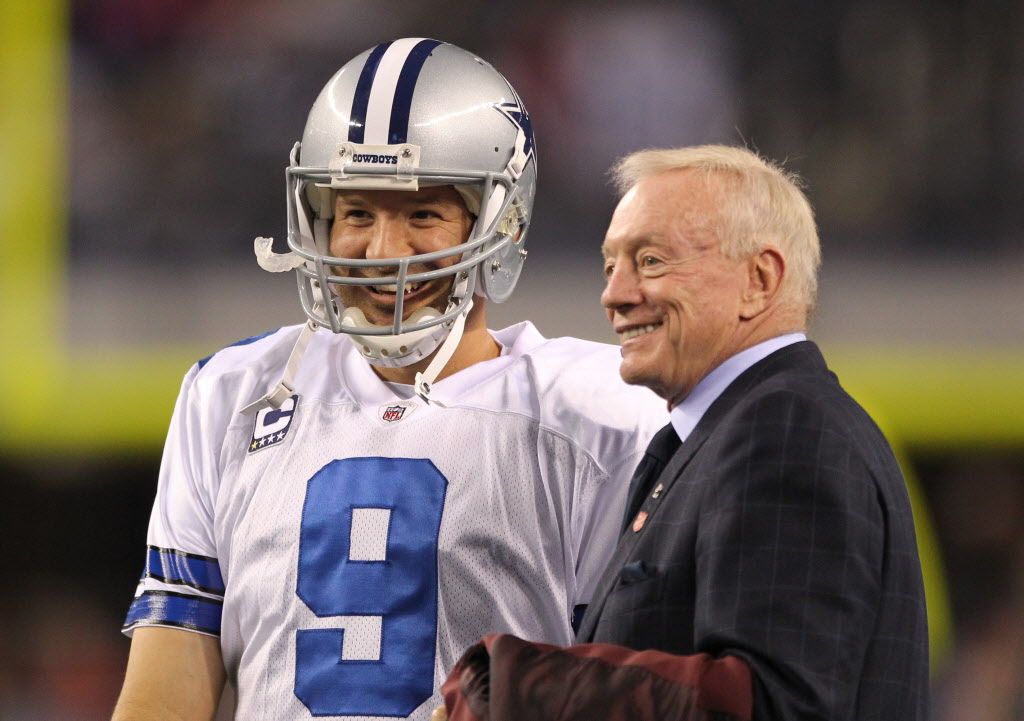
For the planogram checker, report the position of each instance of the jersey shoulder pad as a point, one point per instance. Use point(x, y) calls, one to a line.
point(234, 376)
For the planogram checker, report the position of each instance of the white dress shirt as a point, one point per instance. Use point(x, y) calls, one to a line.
point(685, 416)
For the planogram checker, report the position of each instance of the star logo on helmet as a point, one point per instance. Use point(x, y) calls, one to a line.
point(516, 114)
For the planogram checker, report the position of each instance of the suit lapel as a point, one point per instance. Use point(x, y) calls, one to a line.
point(646, 503)
point(647, 499)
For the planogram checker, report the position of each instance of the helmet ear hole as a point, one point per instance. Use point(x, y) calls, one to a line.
point(499, 274)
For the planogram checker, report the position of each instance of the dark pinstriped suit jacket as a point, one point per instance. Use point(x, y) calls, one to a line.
point(780, 532)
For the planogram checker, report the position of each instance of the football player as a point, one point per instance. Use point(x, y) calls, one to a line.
point(345, 505)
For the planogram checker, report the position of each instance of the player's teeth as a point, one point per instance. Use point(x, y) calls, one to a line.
point(634, 332)
point(392, 288)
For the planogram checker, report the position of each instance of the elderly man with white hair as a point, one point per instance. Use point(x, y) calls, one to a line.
point(767, 567)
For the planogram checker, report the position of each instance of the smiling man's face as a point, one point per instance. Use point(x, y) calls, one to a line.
point(672, 297)
point(381, 224)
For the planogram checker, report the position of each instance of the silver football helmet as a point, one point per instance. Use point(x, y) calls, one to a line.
point(403, 115)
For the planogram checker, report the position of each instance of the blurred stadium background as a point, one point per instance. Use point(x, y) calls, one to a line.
point(142, 148)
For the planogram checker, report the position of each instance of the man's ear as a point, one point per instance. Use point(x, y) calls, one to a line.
point(765, 271)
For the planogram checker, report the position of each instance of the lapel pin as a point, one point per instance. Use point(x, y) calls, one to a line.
point(639, 521)
point(657, 491)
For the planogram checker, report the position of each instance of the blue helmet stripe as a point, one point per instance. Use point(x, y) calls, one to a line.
point(361, 99)
point(398, 132)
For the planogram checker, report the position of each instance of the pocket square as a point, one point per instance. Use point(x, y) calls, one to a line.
point(635, 572)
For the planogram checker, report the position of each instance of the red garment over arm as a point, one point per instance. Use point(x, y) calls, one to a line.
point(507, 679)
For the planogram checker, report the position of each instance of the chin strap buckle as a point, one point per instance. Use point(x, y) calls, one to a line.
point(281, 392)
point(285, 387)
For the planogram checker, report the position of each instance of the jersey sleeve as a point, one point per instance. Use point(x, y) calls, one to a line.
point(181, 585)
point(611, 424)
point(598, 524)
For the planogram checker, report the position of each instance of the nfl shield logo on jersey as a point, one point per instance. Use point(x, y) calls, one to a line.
point(272, 425)
point(395, 411)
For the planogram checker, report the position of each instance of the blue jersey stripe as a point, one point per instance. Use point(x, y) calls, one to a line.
point(398, 131)
point(164, 608)
point(361, 99)
point(245, 341)
point(170, 566)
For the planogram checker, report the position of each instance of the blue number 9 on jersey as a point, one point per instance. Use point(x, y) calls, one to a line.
point(368, 547)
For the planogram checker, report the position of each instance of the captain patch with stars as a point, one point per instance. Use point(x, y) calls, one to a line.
point(271, 426)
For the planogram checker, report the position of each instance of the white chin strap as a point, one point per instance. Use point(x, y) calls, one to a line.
point(408, 348)
point(285, 387)
point(444, 354)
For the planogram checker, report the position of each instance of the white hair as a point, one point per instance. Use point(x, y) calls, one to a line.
point(760, 205)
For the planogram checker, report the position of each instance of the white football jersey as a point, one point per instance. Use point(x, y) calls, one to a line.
point(348, 547)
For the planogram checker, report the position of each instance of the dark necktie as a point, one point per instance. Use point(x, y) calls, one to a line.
point(661, 448)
